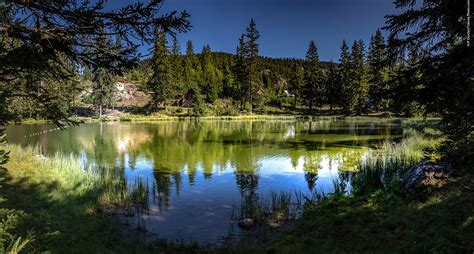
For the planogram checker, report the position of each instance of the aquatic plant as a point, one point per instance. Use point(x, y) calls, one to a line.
point(140, 192)
point(385, 166)
point(280, 206)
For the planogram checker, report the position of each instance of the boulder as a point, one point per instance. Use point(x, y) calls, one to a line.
point(427, 173)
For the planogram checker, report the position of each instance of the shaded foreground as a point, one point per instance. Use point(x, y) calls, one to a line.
point(53, 204)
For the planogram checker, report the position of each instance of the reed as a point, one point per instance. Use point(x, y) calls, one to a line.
point(385, 166)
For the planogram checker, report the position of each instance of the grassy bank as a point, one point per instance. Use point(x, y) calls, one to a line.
point(54, 204)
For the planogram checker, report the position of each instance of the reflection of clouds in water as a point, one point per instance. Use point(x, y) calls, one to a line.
point(290, 132)
point(122, 145)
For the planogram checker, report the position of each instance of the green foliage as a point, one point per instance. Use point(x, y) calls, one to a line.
point(103, 89)
point(160, 83)
point(212, 77)
point(347, 100)
point(333, 86)
point(444, 73)
point(359, 87)
point(10, 242)
point(199, 107)
point(297, 84)
point(378, 72)
point(313, 87)
point(247, 72)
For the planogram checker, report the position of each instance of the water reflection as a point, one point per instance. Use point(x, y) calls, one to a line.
point(198, 171)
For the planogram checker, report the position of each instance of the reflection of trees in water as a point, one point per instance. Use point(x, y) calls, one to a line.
point(311, 166)
point(163, 186)
point(247, 183)
point(344, 179)
point(217, 146)
point(311, 178)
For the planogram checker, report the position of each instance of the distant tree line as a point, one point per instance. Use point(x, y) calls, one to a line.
point(365, 80)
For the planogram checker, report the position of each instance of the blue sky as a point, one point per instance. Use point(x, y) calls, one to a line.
point(286, 26)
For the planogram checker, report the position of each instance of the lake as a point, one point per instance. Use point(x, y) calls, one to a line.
point(200, 171)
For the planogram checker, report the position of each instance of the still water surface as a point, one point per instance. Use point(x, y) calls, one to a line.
point(200, 171)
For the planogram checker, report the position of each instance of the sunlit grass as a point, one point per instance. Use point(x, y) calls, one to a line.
point(54, 198)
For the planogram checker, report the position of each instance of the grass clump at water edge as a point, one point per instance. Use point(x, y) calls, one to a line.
point(55, 204)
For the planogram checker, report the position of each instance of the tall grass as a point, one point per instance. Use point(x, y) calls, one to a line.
point(63, 186)
point(280, 206)
point(384, 167)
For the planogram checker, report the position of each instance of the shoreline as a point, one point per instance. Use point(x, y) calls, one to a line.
point(258, 117)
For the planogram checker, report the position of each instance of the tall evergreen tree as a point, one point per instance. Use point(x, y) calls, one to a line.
point(359, 78)
point(190, 71)
point(378, 72)
point(345, 77)
point(252, 50)
point(189, 48)
point(160, 83)
point(175, 48)
point(103, 81)
point(228, 83)
point(241, 70)
point(333, 86)
point(297, 83)
point(177, 71)
point(440, 29)
point(313, 89)
point(212, 77)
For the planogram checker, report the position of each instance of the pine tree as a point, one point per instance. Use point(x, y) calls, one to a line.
point(297, 83)
point(160, 83)
point(103, 81)
point(190, 75)
point(438, 28)
point(242, 72)
point(333, 86)
point(175, 48)
point(189, 48)
point(228, 83)
point(359, 73)
point(345, 77)
point(212, 77)
point(177, 71)
point(378, 72)
point(252, 50)
point(313, 89)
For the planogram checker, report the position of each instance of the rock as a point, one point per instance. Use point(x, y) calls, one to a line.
point(427, 173)
point(246, 223)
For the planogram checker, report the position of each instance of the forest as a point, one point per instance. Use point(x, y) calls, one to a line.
point(381, 84)
point(106, 148)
